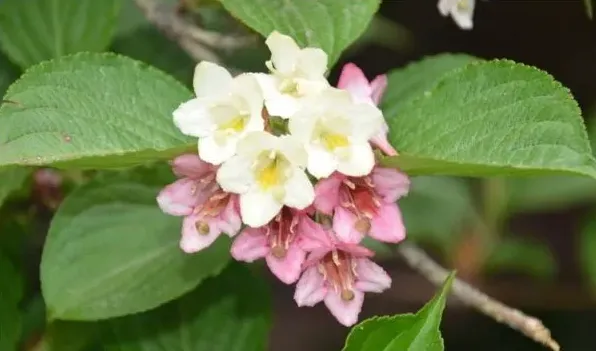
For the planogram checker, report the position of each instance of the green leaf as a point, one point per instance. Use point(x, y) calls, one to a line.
point(11, 179)
point(413, 80)
point(39, 30)
point(587, 252)
point(331, 25)
point(549, 193)
point(524, 256)
point(405, 331)
point(230, 312)
point(11, 292)
point(491, 118)
point(68, 336)
point(589, 8)
point(110, 252)
point(91, 111)
point(436, 209)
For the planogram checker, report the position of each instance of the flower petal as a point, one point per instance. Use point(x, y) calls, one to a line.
point(327, 193)
point(216, 153)
point(299, 190)
point(371, 277)
point(190, 165)
point(229, 220)
point(258, 208)
point(193, 241)
point(211, 79)
point(380, 141)
point(192, 118)
point(344, 226)
point(284, 51)
point(250, 245)
point(235, 175)
point(360, 162)
point(180, 197)
point(321, 163)
point(312, 62)
point(387, 225)
point(354, 81)
point(288, 268)
point(346, 312)
point(378, 86)
point(390, 183)
point(310, 289)
point(311, 236)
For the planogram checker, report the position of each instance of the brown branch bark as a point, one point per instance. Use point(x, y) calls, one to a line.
point(532, 327)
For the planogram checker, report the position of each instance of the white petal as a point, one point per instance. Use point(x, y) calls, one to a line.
point(445, 6)
point(299, 190)
point(235, 175)
point(366, 119)
point(320, 162)
point(192, 118)
point(313, 63)
point(293, 150)
point(360, 162)
point(284, 51)
point(247, 88)
point(211, 80)
point(258, 208)
point(253, 143)
point(216, 153)
point(303, 123)
point(463, 17)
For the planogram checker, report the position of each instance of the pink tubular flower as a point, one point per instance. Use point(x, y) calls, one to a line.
point(278, 242)
point(354, 81)
point(339, 274)
point(207, 209)
point(364, 205)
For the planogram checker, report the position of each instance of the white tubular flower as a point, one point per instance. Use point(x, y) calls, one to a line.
point(461, 11)
point(336, 131)
point(267, 172)
point(224, 110)
point(295, 73)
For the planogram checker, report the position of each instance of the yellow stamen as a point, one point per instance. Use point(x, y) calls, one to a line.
point(202, 228)
point(235, 124)
point(332, 141)
point(462, 5)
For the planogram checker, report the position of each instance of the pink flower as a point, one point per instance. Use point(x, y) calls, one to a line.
point(339, 274)
point(278, 242)
point(364, 205)
point(354, 81)
point(208, 210)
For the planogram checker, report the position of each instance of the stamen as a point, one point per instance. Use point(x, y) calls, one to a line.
point(347, 295)
point(278, 251)
point(362, 225)
point(202, 227)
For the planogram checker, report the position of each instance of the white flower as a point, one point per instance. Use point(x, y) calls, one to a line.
point(295, 73)
point(267, 172)
point(224, 110)
point(336, 131)
point(460, 10)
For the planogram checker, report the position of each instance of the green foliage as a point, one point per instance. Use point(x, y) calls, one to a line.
point(230, 312)
point(39, 30)
point(8, 73)
point(91, 111)
point(110, 252)
point(11, 179)
point(587, 252)
point(530, 257)
point(418, 331)
point(11, 292)
point(331, 25)
point(491, 118)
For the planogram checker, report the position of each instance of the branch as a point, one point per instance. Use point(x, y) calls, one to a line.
point(530, 326)
point(197, 42)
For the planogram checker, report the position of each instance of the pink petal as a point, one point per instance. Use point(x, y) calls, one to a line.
point(378, 86)
point(354, 81)
point(315, 257)
point(391, 184)
point(387, 225)
point(287, 269)
point(250, 245)
point(381, 142)
point(344, 226)
point(311, 235)
point(179, 198)
point(346, 312)
point(229, 220)
point(190, 165)
point(355, 250)
point(310, 289)
point(193, 241)
point(327, 193)
point(371, 277)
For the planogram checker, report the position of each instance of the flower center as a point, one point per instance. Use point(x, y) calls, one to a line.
point(359, 196)
point(338, 269)
point(271, 170)
point(463, 5)
point(211, 208)
point(281, 232)
point(235, 124)
point(328, 132)
point(289, 86)
point(333, 141)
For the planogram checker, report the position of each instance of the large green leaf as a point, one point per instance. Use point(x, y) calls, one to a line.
point(403, 332)
point(111, 252)
point(91, 111)
point(39, 30)
point(587, 252)
point(331, 25)
point(491, 118)
point(230, 312)
point(11, 292)
point(11, 179)
point(416, 78)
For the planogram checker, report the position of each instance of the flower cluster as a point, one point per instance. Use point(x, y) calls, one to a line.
point(286, 165)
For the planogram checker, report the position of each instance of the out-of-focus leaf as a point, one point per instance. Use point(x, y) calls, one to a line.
point(11, 293)
point(587, 251)
point(523, 256)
